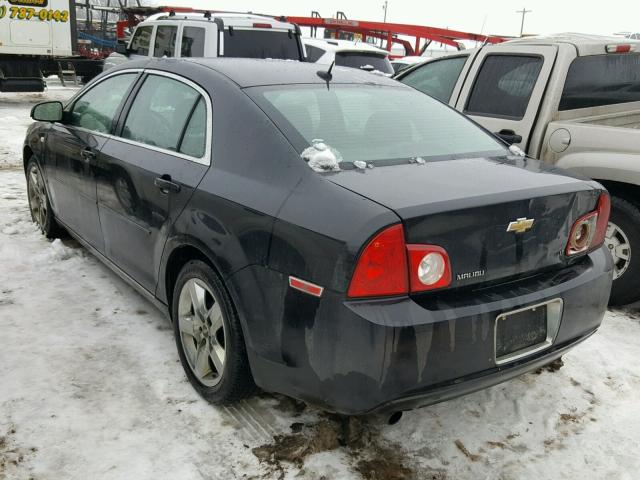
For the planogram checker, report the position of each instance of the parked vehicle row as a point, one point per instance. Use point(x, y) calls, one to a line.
point(571, 100)
point(303, 242)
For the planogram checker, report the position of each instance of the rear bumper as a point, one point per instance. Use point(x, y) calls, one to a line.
point(355, 357)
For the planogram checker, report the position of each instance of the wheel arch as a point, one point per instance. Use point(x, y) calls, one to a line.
point(628, 191)
point(27, 154)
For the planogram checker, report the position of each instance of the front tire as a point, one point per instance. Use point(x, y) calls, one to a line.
point(209, 336)
point(39, 204)
point(623, 241)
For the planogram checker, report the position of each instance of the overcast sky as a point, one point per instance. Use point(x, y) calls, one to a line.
point(490, 16)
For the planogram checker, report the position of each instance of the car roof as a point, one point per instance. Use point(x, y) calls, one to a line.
point(332, 45)
point(228, 18)
point(251, 72)
point(585, 44)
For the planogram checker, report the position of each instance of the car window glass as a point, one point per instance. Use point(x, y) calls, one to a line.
point(437, 78)
point(597, 80)
point(193, 141)
point(364, 61)
point(165, 42)
point(95, 110)
point(355, 121)
point(141, 39)
point(255, 43)
point(504, 85)
point(192, 42)
point(159, 112)
point(313, 53)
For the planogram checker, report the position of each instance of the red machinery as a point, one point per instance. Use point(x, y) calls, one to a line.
point(391, 31)
point(387, 31)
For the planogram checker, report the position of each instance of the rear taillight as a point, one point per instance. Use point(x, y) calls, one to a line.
point(262, 25)
point(429, 267)
point(588, 232)
point(382, 267)
point(388, 266)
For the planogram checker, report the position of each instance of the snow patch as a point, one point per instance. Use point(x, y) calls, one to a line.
point(321, 157)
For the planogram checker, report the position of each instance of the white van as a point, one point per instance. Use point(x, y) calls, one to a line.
point(211, 35)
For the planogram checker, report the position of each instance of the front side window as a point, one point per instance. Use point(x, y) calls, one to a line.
point(192, 42)
point(253, 43)
point(375, 124)
point(160, 116)
point(165, 42)
point(96, 109)
point(436, 78)
point(504, 85)
point(364, 61)
point(599, 80)
point(141, 40)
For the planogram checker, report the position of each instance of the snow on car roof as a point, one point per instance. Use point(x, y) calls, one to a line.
point(329, 44)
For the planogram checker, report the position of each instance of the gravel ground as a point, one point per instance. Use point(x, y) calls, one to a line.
point(92, 388)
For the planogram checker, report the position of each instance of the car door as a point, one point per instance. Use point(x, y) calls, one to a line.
point(161, 151)
point(74, 149)
point(505, 88)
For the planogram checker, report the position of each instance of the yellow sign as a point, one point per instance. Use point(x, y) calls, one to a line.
point(30, 3)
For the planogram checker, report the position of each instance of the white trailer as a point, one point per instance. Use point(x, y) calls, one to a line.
point(35, 36)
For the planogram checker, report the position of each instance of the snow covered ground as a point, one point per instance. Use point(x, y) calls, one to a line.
point(91, 387)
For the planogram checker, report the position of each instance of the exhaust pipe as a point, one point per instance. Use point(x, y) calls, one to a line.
point(394, 418)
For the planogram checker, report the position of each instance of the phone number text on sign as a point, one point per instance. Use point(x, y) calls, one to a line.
point(27, 13)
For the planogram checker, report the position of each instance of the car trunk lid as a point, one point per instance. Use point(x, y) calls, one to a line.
point(467, 205)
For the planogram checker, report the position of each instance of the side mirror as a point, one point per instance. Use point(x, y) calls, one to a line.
point(121, 48)
point(47, 112)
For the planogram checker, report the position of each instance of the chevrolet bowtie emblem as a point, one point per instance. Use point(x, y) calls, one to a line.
point(521, 225)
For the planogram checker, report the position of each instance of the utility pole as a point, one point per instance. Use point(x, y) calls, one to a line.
point(384, 7)
point(524, 11)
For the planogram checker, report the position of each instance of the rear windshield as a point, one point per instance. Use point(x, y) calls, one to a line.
point(261, 44)
point(602, 80)
point(373, 123)
point(365, 61)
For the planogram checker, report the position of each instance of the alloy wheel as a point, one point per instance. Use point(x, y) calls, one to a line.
point(202, 331)
point(37, 197)
point(618, 244)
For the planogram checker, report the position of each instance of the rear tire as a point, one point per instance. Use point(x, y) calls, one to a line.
point(623, 241)
point(209, 336)
point(39, 204)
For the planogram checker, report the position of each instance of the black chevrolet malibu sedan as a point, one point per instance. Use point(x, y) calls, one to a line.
point(334, 236)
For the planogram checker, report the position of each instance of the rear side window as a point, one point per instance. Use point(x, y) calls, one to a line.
point(504, 85)
point(314, 53)
point(161, 114)
point(141, 40)
point(602, 80)
point(266, 43)
point(364, 61)
point(194, 137)
point(95, 110)
point(192, 42)
point(437, 78)
point(165, 42)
